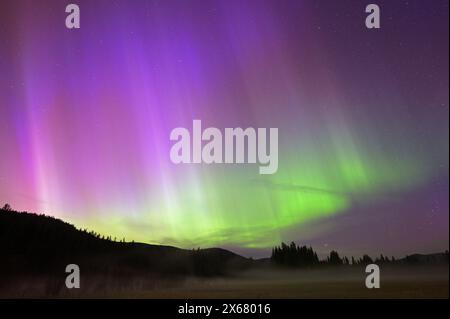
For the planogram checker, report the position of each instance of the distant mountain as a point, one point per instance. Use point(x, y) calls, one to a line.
point(436, 258)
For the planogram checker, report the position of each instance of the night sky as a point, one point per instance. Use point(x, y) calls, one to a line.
point(363, 119)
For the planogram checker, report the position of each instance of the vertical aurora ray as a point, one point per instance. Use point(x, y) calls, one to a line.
point(85, 115)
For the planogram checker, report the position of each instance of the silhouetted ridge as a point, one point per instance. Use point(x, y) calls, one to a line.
point(31, 243)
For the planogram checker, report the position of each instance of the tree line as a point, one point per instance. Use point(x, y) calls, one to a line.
point(293, 255)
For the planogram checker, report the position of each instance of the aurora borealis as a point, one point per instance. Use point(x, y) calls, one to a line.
point(85, 119)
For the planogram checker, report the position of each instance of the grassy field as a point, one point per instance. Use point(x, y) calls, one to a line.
point(288, 290)
point(270, 283)
point(429, 282)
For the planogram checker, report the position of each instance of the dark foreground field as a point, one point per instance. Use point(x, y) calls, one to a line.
point(396, 282)
point(429, 282)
